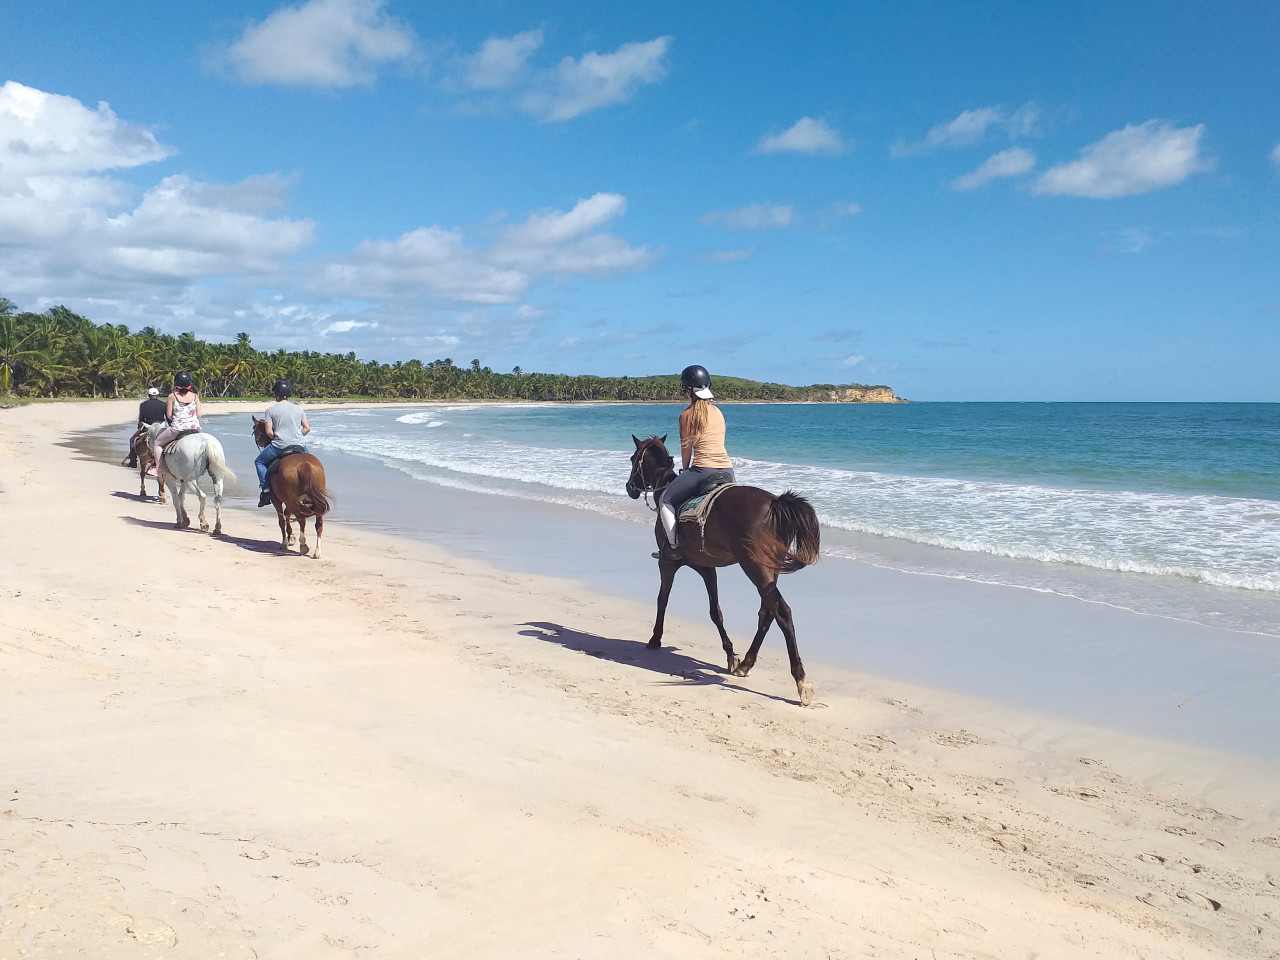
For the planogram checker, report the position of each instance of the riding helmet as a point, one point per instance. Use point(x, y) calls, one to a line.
point(282, 388)
point(182, 379)
point(697, 379)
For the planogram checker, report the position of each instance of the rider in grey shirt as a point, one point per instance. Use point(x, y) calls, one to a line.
point(286, 426)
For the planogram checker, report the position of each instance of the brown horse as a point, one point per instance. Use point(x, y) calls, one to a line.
point(297, 492)
point(141, 451)
point(764, 534)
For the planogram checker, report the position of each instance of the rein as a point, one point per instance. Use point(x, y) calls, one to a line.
point(648, 488)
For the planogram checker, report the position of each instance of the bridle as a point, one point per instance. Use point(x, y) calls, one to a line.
point(637, 478)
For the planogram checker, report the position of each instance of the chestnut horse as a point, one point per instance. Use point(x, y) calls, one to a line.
point(297, 492)
point(764, 534)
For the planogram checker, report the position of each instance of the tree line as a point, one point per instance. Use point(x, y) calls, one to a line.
point(59, 353)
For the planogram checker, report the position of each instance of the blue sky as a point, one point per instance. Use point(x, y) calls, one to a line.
point(967, 201)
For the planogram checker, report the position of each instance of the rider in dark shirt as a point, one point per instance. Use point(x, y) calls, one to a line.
point(150, 410)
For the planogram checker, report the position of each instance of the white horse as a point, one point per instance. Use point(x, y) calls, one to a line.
point(185, 461)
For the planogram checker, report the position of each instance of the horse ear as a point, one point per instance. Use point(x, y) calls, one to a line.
point(663, 438)
point(637, 440)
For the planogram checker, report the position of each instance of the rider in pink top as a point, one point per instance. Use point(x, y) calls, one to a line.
point(182, 410)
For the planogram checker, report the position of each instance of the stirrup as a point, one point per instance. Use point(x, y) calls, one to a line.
point(668, 553)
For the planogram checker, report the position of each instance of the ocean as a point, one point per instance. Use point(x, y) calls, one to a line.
point(1164, 509)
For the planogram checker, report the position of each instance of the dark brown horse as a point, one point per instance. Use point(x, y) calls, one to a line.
point(297, 492)
point(141, 450)
point(764, 534)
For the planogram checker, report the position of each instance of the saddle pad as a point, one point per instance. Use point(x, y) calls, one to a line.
point(172, 444)
point(286, 452)
point(698, 508)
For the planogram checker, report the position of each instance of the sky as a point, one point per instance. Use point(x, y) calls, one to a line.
point(965, 201)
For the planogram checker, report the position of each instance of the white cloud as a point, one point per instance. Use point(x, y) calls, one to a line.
point(323, 43)
point(346, 326)
point(46, 137)
point(1138, 159)
point(65, 226)
point(852, 361)
point(731, 256)
point(755, 216)
point(971, 127)
point(501, 61)
point(438, 262)
point(806, 135)
point(596, 80)
point(833, 214)
point(1275, 156)
point(1007, 163)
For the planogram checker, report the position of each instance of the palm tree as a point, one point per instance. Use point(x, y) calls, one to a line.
point(17, 352)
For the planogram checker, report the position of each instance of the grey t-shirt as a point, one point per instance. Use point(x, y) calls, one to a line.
point(286, 424)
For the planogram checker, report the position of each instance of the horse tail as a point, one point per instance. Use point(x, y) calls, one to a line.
point(218, 468)
point(792, 543)
point(313, 489)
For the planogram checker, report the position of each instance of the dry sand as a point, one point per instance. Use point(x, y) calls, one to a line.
point(209, 749)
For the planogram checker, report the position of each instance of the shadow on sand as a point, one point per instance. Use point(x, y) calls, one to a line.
point(268, 547)
point(680, 669)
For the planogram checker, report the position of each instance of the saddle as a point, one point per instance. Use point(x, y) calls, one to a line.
point(285, 452)
point(172, 444)
point(698, 509)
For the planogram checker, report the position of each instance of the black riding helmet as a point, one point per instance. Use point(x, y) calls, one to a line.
point(282, 388)
point(182, 379)
point(696, 378)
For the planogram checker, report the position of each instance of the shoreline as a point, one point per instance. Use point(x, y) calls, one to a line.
point(282, 763)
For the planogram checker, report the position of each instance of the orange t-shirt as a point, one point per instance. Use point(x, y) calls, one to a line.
point(707, 446)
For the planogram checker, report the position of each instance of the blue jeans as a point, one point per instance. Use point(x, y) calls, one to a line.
point(269, 455)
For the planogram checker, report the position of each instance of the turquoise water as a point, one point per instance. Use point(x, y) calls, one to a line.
point(1171, 509)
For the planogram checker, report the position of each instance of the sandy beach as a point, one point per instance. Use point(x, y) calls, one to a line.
point(212, 749)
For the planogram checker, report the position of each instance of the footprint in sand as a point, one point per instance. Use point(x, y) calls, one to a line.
point(1199, 900)
point(152, 932)
point(962, 739)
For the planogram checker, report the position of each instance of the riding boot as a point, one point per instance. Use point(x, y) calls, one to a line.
point(668, 552)
point(264, 498)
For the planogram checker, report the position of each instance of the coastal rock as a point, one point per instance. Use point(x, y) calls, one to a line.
point(859, 394)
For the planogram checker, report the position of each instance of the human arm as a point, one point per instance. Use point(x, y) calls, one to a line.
point(199, 408)
point(306, 425)
point(168, 409)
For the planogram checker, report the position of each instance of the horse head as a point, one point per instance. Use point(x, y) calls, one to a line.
point(260, 432)
point(651, 466)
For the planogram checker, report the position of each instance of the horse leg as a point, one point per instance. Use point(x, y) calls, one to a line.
point(708, 575)
point(302, 535)
point(774, 607)
point(142, 479)
point(204, 524)
point(668, 571)
point(319, 531)
point(283, 517)
point(180, 504)
point(217, 506)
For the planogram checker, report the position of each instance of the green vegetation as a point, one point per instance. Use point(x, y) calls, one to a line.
point(61, 354)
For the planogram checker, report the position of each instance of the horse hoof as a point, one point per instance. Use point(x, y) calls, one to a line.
point(204, 528)
point(805, 689)
point(740, 671)
point(655, 644)
point(217, 531)
point(733, 663)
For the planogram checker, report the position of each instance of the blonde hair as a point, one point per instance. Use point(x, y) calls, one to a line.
point(697, 415)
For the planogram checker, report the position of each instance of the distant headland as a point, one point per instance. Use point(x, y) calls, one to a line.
point(59, 353)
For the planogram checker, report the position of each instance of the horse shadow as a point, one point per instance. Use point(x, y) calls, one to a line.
point(679, 669)
point(265, 547)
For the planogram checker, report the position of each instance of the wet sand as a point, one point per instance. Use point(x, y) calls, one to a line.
point(212, 749)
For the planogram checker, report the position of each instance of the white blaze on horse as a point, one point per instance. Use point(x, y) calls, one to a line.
point(186, 460)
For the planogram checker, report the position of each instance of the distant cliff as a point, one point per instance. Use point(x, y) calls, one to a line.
point(850, 393)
